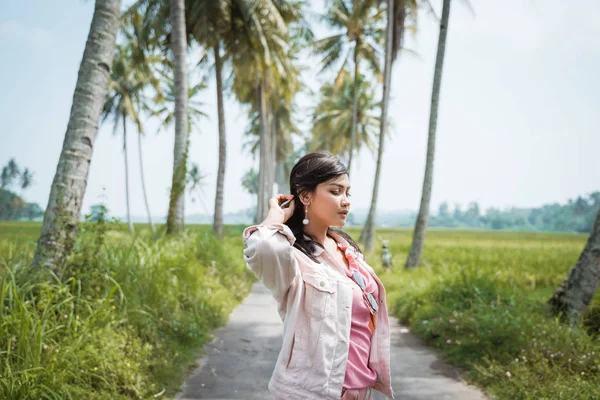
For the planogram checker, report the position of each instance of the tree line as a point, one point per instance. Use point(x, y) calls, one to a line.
point(12, 205)
point(577, 215)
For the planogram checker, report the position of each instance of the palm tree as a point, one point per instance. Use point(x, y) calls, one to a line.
point(359, 23)
point(238, 26)
point(250, 183)
point(421, 225)
point(5, 178)
point(283, 128)
point(195, 181)
point(179, 47)
point(26, 179)
point(219, 192)
point(262, 56)
point(134, 70)
point(397, 11)
point(333, 117)
point(10, 172)
point(165, 109)
point(142, 40)
point(208, 20)
point(130, 76)
point(13, 168)
point(575, 293)
point(68, 187)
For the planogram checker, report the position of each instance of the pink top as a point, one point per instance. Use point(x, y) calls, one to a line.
point(359, 374)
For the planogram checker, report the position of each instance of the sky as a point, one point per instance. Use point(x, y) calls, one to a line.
point(517, 123)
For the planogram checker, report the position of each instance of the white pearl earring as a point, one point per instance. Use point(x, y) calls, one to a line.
point(305, 220)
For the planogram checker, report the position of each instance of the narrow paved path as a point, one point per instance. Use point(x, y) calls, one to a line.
point(240, 360)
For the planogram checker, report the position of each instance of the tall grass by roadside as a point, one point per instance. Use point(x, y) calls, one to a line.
point(126, 319)
point(480, 298)
point(131, 312)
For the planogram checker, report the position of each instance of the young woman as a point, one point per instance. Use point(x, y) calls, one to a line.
point(336, 337)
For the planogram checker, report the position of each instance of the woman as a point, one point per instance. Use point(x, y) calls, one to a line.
point(336, 341)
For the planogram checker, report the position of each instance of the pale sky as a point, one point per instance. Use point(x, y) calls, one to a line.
point(518, 116)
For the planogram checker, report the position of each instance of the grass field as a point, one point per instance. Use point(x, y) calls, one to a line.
point(480, 298)
point(129, 318)
point(148, 303)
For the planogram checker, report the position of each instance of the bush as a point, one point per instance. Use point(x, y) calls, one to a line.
point(480, 298)
point(126, 318)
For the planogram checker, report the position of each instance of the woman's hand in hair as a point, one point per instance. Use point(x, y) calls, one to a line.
point(278, 215)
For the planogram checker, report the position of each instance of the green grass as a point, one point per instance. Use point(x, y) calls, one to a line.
point(480, 298)
point(134, 312)
point(128, 318)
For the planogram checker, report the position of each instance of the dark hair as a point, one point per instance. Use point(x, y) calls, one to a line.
point(309, 171)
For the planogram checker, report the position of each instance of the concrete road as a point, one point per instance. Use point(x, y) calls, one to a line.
point(239, 361)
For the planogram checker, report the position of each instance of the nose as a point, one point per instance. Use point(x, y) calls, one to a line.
point(345, 201)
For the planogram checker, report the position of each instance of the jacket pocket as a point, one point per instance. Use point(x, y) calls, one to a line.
point(319, 293)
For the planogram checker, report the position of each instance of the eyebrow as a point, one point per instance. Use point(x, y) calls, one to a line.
point(339, 185)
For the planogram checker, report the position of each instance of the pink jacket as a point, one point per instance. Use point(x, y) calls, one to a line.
point(315, 303)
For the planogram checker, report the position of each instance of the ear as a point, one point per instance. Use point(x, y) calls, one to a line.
point(305, 198)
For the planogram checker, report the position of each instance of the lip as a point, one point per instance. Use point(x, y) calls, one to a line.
point(344, 213)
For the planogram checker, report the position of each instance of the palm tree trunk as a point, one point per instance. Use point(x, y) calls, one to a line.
point(152, 227)
point(575, 293)
point(354, 105)
point(218, 217)
point(281, 178)
point(366, 236)
point(421, 224)
point(273, 151)
point(179, 46)
point(129, 222)
point(264, 192)
point(70, 180)
point(260, 195)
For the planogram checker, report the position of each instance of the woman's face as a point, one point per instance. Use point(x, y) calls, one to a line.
point(330, 202)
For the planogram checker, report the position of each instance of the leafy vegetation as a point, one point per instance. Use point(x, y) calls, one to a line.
point(126, 320)
point(481, 299)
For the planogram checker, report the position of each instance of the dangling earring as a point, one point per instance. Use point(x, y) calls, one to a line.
point(305, 220)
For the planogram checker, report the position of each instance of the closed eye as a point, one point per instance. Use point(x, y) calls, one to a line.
point(337, 193)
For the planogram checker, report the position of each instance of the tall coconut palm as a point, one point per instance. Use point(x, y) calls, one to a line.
point(333, 117)
point(575, 293)
point(208, 21)
point(253, 88)
point(141, 38)
point(130, 76)
point(261, 57)
point(397, 11)
point(421, 225)
point(219, 192)
point(69, 184)
point(284, 127)
point(195, 181)
point(180, 148)
point(360, 25)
